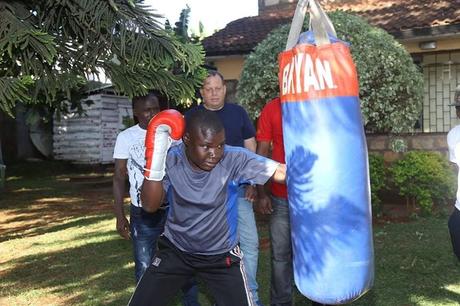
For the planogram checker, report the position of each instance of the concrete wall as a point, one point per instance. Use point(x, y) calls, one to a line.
point(382, 144)
point(230, 67)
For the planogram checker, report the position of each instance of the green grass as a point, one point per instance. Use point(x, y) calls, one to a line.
point(58, 246)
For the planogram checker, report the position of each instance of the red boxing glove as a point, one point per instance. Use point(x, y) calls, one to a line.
point(162, 127)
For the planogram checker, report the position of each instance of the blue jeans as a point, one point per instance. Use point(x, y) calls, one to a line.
point(249, 242)
point(281, 287)
point(145, 230)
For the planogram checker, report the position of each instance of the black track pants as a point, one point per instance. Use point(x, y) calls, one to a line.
point(223, 275)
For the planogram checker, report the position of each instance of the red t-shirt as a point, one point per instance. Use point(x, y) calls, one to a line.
point(270, 129)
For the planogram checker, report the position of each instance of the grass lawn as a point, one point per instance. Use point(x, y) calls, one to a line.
point(58, 246)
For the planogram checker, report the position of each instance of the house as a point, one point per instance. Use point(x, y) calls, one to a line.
point(86, 139)
point(428, 29)
point(90, 139)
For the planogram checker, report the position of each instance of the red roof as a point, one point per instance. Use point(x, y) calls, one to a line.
point(401, 18)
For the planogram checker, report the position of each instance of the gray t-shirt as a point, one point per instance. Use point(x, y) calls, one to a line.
point(203, 214)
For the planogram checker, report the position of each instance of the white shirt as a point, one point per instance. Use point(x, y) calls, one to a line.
point(453, 142)
point(130, 145)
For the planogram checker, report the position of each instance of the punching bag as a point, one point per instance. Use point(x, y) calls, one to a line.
point(327, 165)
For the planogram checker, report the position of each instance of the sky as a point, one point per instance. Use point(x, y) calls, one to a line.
point(214, 14)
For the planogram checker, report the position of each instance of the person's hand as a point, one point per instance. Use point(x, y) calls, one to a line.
point(250, 193)
point(123, 227)
point(264, 205)
point(164, 126)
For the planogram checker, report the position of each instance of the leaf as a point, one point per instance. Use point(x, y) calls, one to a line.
point(59, 43)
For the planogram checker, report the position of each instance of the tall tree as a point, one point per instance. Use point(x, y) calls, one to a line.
point(48, 48)
point(181, 27)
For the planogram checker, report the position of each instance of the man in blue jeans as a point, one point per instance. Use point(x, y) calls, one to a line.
point(144, 228)
point(239, 132)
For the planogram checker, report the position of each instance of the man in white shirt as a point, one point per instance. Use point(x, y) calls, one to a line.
point(453, 142)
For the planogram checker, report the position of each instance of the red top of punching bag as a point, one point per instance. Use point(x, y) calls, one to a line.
point(309, 72)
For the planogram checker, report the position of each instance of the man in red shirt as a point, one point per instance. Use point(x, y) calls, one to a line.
point(270, 134)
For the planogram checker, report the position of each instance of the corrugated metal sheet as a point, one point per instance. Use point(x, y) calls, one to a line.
point(90, 139)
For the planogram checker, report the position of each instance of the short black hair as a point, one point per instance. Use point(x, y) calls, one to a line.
point(212, 72)
point(153, 94)
point(204, 120)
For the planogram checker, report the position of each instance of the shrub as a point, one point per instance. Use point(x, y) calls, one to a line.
point(391, 85)
point(377, 175)
point(424, 178)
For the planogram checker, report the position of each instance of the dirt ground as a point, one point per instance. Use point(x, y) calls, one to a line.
point(95, 196)
point(26, 212)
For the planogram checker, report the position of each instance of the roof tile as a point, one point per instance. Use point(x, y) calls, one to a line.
point(242, 35)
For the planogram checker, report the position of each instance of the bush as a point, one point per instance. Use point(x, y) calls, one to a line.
point(391, 86)
point(377, 175)
point(424, 178)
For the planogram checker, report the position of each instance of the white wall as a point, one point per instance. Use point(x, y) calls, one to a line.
point(90, 139)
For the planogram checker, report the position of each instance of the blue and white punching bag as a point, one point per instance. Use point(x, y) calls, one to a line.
point(327, 164)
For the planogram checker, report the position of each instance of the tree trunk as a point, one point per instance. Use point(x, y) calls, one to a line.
point(1, 154)
point(2, 166)
point(2, 123)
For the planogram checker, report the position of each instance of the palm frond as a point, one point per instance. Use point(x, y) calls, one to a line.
point(13, 90)
point(50, 40)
